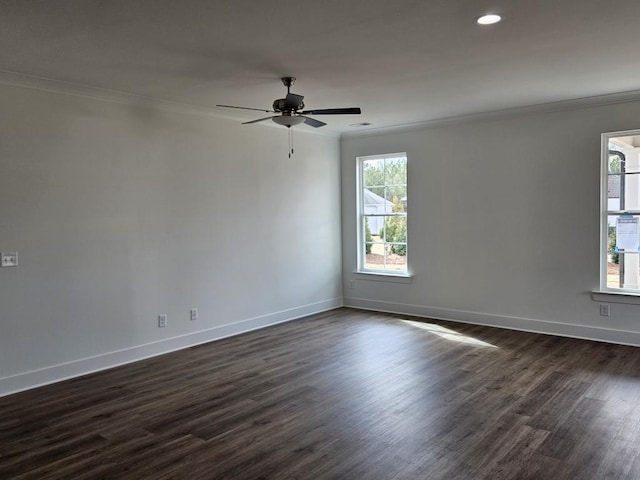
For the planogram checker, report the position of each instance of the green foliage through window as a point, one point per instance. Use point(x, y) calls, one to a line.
point(395, 230)
point(368, 238)
point(615, 256)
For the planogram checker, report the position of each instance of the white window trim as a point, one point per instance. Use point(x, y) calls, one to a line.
point(616, 297)
point(379, 276)
point(362, 272)
point(605, 293)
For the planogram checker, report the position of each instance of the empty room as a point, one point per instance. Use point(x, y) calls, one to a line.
point(319, 240)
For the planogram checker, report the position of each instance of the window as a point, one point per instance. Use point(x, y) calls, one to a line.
point(382, 214)
point(620, 219)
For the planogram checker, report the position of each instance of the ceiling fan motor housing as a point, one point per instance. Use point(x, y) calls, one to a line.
point(280, 105)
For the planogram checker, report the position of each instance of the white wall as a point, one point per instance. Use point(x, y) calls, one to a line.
point(503, 222)
point(120, 213)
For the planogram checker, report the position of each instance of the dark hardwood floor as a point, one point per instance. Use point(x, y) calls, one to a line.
point(345, 395)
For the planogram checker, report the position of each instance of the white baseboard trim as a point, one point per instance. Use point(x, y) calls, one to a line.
point(56, 373)
point(599, 334)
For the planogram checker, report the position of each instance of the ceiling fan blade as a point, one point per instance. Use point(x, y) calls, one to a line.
point(293, 102)
point(247, 108)
point(313, 122)
point(258, 120)
point(334, 111)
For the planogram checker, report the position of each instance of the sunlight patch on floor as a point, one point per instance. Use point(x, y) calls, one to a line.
point(448, 334)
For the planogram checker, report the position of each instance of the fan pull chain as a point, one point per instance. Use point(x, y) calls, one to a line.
point(290, 142)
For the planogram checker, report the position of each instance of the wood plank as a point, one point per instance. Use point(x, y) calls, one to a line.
point(344, 394)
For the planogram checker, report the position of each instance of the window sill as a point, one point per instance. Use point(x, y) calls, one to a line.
point(616, 297)
point(383, 277)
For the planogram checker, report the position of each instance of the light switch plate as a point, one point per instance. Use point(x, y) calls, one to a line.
point(9, 259)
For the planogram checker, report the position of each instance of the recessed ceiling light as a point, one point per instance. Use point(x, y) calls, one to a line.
point(489, 19)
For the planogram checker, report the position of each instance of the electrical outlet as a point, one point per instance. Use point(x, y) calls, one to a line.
point(352, 284)
point(604, 309)
point(9, 259)
point(162, 320)
point(194, 314)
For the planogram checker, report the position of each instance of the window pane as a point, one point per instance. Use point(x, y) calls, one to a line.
point(374, 261)
point(626, 273)
point(613, 275)
point(613, 257)
point(373, 228)
point(373, 200)
point(613, 192)
point(623, 233)
point(623, 257)
point(373, 172)
point(628, 191)
point(396, 230)
point(385, 243)
point(395, 171)
point(394, 197)
point(382, 258)
point(373, 231)
point(374, 247)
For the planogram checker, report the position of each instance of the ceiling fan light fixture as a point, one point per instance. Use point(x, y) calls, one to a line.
point(489, 19)
point(288, 120)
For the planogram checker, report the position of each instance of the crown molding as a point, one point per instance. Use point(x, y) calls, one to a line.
point(550, 107)
point(34, 82)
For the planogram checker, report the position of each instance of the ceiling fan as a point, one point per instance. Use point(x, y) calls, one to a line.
point(290, 110)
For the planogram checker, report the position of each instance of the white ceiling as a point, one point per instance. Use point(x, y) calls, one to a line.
point(401, 61)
